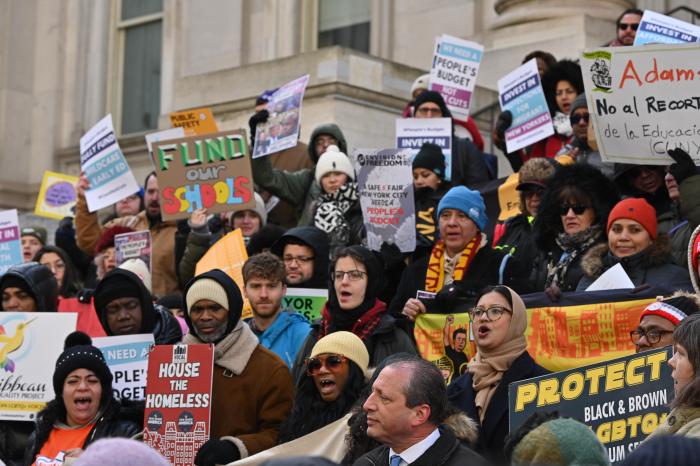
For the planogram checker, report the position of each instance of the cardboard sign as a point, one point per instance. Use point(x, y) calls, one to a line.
point(306, 301)
point(133, 245)
point(622, 400)
point(166, 134)
point(103, 163)
point(197, 121)
point(656, 28)
point(644, 101)
point(412, 133)
point(127, 358)
point(385, 186)
point(509, 198)
point(281, 131)
point(453, 74)
point(520, 92)
point(10, 243)
point(178, 400)
point(443, 339)
point(30, 343)
point(211, 172)
point(57, 196)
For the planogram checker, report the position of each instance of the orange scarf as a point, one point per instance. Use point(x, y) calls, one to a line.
point(435, 275)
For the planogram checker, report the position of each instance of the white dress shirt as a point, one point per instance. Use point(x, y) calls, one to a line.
point(414, 452)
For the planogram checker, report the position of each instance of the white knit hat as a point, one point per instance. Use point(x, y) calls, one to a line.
point(421, 82)
point(345, 344)
point(206, 288)
point(333, 161)
point(139, 268)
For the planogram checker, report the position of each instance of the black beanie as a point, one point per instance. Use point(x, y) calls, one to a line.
point(81, 356)
point(434, 97)
point(13, 281)
point(430, 157)
point(669, 450)
point(113, 287)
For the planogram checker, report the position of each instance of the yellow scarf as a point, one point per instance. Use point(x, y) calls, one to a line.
point(435, 275)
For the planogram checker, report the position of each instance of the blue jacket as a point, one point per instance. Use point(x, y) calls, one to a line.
point(286, 335)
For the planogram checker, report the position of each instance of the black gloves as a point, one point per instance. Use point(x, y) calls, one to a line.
point(260, 117)
point(684, 166)
point(216, 451)
point(505, 119)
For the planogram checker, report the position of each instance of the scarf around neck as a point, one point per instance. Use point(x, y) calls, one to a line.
point(435, 274)
point(331, 209)
point(572, 246)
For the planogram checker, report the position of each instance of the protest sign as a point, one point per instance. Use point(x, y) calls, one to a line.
point(30, 343)
point(656, 28)
point(228, 254)
point(412, 133)
point(166, 134)
point(306, 301)
point(10, 244)
point(197, 121)
point(520, 92)
point(385, 187)
point(133, 245)
point(211, 171)
point(281, 130)
point(57, 196)
point(453, 74)
point(127, 358)
point(622, 400)
point(106, 169)
point(178, 400)
point(443, 339)
point(644, 101)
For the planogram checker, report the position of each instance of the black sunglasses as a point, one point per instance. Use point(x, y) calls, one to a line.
point(577, 208)
point(625, 26)
point(574, 119)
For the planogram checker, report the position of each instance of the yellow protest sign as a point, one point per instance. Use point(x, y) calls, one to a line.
point(194, 121)
point(57, 196)
point(509, 198)
point(443, 339)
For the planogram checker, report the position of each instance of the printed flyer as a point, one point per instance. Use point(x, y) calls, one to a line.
point(133, 245)
point(10, 244)
point(412, 133)
point(656, 28)
point(127, 358)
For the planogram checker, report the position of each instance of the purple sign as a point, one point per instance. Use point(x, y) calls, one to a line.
point(60, 193)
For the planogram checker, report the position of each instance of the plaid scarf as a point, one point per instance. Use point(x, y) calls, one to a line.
point(363, 327)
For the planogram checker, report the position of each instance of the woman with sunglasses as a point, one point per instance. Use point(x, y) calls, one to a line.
point(335, 377)
point(571, 220)
point(634, 243)
point(498, 323)
point(355, 280)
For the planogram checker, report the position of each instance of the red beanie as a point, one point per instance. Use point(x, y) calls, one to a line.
point(637, 209)
point(106, 239)
point(695, 252)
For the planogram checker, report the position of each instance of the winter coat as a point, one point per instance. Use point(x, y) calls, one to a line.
point(252, 391)
point(494, 429)
point(488, 267)
point(517, 238)
point(299, 188)
point(285, 336)
point(585, 155)
point(694, 278)
point(542, 262)
point(155, 318)
point(163, 271)
point(660, 199)
point(469, 166)
point(14, 437)
point(652, 266)
point(446, 451)
point(317, 240)
point(688, 219)
point(120, 419)
point(356, 225)
point(83, 305)
point(39, 280)
point(683, 421)
point(426, 201)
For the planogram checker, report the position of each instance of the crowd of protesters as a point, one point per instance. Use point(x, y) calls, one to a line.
point(352, 386)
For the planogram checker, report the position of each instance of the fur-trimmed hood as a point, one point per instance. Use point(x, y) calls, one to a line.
point(693, 273)
point(598, 259)
point(464, 427)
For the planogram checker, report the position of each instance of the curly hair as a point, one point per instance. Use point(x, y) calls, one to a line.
point(563, 70)
point(266, 266)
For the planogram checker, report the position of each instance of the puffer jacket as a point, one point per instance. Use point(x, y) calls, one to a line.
point(39, 280)
point(299, 188)
point(285, 336)
point(652, 266)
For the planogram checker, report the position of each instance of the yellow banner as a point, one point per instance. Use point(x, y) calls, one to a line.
point(24, 406)
point(443, 339)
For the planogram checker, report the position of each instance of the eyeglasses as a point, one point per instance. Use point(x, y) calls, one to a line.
point(493, 313)
point(333, 363)
point(298, 259)
point(578, 209)
point(353, 275)
point(625, 26)
point(574, 119)
point(653, 335)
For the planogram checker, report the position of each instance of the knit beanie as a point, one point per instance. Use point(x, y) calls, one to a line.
point(467, 201)
point(114, 286)
point(333, 161)
point(80, 354)
point(119, 451)
point(668, 450)
point(674, 309)
point(139, 268)
point(345, 344)
point(431, 158)
point(560, 442)
point(35, 231)
point(260, 208)
point(13, 281)
point(579, 102)
point(421, 82)
point(106, 239)
point(434, 97)
point(637, 209)
point(206, 288)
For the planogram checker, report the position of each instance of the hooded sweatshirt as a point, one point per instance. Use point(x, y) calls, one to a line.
point(318, 241)
point(40, 282)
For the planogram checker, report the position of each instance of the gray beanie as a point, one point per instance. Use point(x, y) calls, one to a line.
point(579, 101)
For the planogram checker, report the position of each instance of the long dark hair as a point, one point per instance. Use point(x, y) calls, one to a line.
point(687, 334)
point(310, 412)
point(71, 283)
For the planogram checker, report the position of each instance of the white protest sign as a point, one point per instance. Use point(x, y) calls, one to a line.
point(165, 135)
point(412, 133)
point(385, 186)
point(30, 344)
point(10, 246)
point(133, 245)
point(644, 101)
point(453, 74)
point(615, 278)
point(656, 28)
point(105, 167)
point(127, 358)
point(520, 92)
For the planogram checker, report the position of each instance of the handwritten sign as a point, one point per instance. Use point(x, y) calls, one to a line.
point(57, 196)
point(644, 101)
point(196, 121)
point(127, 358)
point(412, 133)
point(10, 244)
point(656, 28)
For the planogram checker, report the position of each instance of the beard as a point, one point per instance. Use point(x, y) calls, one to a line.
point(214, 336)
